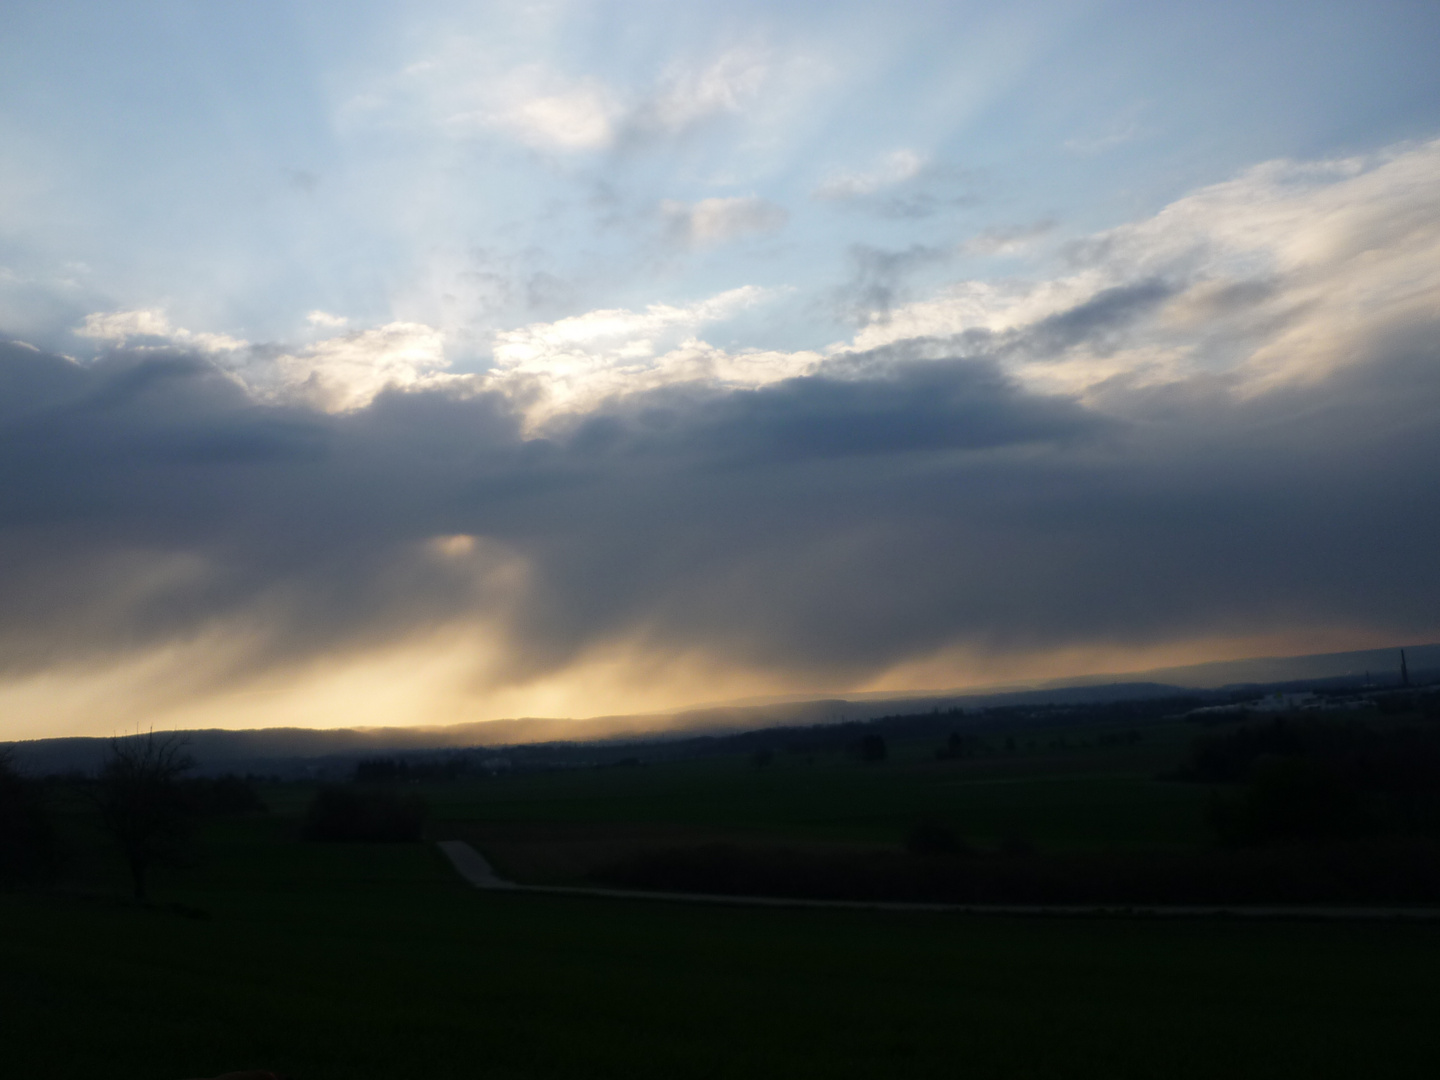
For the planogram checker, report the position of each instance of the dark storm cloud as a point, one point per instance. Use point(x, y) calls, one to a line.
point(1057, 527)
point(1107, 311)
point(917, 406)
point(827, 525)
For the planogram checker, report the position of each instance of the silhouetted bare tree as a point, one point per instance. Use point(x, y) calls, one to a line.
point(141, 803)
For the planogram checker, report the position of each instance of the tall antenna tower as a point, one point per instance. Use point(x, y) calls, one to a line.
point(1404, 670)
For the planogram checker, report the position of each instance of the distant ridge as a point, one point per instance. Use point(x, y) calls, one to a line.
point(268, 750)
point(262, 750)
point(1383, 666)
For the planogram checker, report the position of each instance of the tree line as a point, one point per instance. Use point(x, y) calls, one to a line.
point(147, 805)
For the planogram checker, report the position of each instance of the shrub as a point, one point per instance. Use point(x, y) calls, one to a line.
point(27, 840)
point(871, 748)
point(960, 746)
point(381, 770)
point(222, 796)
point(347, 813)
point(1321, 779)
point(1291, 798)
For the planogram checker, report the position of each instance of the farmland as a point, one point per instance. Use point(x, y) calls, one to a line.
point(374, 960)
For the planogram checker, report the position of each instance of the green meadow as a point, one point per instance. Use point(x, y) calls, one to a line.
point(1060, 790)
point(361, 961)
point(375, 961)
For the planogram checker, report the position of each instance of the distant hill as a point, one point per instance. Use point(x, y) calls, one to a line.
point(288, 750)
point(294, 751)
point(1381, 665)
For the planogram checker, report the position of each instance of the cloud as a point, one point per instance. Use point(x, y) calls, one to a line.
point(1099, 144)
point(1005, 240)
point(894, 168)
point(902, 184)
point(1285, 273)
point(1208, 428)
point(119, 327)
point(543, 107)
point(720, 220)
point(334, 374)
point(877, 275)
point(116, 326)
point(1122, 129)
point(689, 96)
point(812, 531)
point(347, 372)
point(574, 363)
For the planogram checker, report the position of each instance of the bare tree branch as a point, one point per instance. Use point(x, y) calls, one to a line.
point(140, 802)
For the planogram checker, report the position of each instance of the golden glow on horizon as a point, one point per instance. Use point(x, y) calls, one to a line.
point(455, 676)
point(962, 667)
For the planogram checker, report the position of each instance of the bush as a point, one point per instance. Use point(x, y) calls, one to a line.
point(871, 748)
point(350, 814)
point(1320, 779)
point(1291, 798)
point(27, 840)
point(222, 796)
point(381, 770)
point(399, 770)
point(960, 746)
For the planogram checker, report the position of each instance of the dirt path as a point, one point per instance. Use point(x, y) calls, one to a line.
point(475, 869)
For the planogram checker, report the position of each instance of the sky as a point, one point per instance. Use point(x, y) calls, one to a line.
point(377, 363)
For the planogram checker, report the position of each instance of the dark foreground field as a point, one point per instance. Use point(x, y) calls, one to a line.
point(1337, 810)
point(361, 961)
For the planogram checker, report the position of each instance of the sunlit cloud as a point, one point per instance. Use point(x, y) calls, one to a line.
point(689, 95)
point(1283, 273)
point(720, 220)
point(1006, 240)
point(1257, 278)
point(119, 327)
point(334, 374)
point(894, 168)
point(542, 106)
point(575, 363)
point(347, 372)
point(474, 360)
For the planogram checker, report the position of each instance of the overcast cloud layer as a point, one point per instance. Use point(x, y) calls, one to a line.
point(846, 424)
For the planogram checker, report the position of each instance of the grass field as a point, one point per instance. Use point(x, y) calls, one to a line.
point(550, 827)
point(374, 961)
point(371, 961)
